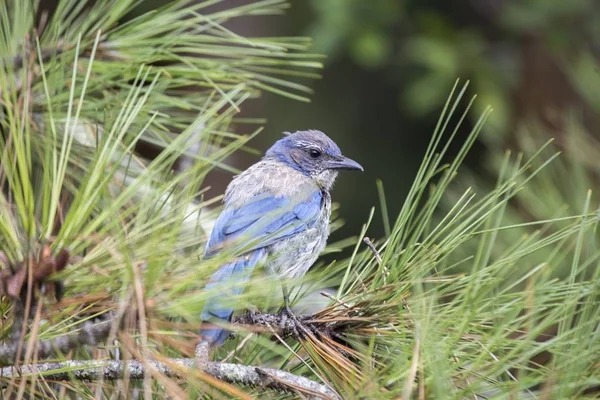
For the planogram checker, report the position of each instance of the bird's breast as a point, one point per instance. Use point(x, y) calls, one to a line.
point(292, 257)
point(267, 177)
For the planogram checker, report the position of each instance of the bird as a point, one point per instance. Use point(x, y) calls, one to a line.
point(276, 213)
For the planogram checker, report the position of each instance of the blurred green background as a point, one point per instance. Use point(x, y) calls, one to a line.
point(390, 64)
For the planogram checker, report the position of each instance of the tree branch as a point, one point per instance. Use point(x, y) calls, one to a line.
point(88, 334)
point(92, 333)
point(233, 373)
point(287, 327)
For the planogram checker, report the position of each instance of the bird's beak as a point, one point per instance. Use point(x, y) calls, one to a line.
point(342, 162)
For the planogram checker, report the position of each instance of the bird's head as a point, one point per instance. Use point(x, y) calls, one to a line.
point(314, 154)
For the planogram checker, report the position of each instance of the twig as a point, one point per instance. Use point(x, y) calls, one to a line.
point(90, 334)
point(341, 303)
point(278, 323)
point(233, 373)
point(93, 333)
point(202, 354)
point(373, 249)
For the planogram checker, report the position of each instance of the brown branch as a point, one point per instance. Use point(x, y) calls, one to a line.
point(233, 373)
point(93, 333)
point(287, 327)
point(88, 334)
point(330, 324)
point(373, 249)
point(385, 271)
point(258, 321)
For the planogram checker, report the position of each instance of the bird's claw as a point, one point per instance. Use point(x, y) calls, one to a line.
point(252, 313)
point(297, 327)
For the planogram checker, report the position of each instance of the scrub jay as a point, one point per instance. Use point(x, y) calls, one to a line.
point(277, 214)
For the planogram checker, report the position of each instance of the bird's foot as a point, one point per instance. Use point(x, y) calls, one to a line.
point(297, 327)
point(253, 314)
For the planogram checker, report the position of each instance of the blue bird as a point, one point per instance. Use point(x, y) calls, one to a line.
point(276, 213)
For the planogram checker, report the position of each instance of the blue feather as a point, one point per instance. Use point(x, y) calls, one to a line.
point(261, 221)
point(225, 285)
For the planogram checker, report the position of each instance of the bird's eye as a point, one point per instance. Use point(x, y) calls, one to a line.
point(314, 153)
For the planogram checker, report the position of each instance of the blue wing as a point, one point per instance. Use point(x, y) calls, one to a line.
point(225, 285)
point(263, 220)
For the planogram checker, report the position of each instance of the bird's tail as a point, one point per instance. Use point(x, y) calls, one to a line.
point(226, 284)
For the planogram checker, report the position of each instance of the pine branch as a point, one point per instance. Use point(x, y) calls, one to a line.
point(92, 333)
point(233, 373)
point(88, 334)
